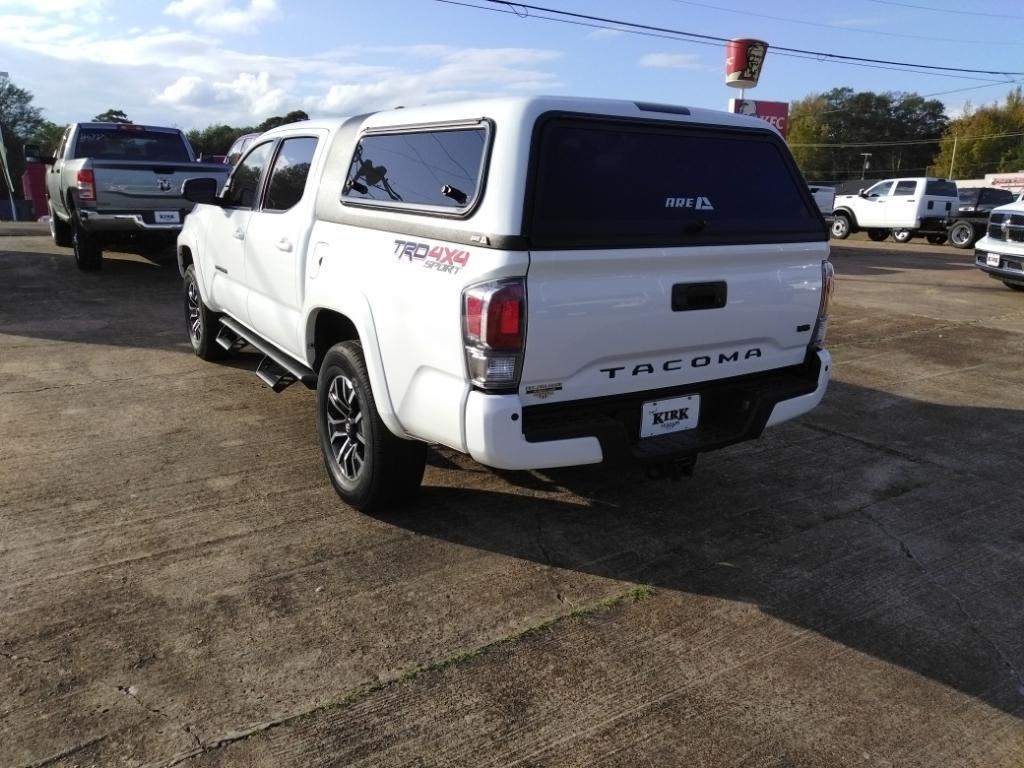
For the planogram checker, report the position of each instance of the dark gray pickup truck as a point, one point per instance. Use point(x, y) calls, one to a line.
point(120, 183)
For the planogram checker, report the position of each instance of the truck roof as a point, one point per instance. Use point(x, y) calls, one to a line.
point(518, 108)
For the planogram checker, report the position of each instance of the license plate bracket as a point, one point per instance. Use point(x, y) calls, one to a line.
point(673, 414)
point(992, 259)
point(166, 217)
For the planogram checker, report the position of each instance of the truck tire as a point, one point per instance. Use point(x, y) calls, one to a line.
point(60, 231)
point(902, 235)
point(961, 234)
point(88, 254)
point(878, 235)
point(370, 468)
point(937, 239)
point(200, 322)
point(840, 226)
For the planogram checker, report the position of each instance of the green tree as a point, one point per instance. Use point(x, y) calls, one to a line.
point(19, 121)
point(215, 139)
point(112, 116)
point(981, 141)
point(294, 116)
point(900, 130)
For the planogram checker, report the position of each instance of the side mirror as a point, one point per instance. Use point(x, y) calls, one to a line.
point(202, 190)
point(33, 155)
point(861, 192)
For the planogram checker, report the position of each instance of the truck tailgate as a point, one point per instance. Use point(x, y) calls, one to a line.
point(618, 321)
point(127, 185)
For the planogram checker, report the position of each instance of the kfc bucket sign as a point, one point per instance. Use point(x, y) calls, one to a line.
point(774, 112)
point(743, 61)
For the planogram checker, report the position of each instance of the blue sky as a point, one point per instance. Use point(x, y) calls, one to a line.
point(194, 63)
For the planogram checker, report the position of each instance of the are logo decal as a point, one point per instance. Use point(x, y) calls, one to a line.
point(440, 258)
point(699, 203)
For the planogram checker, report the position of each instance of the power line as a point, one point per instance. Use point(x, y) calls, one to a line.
point(844, 29)
point(714, 41)
point(948, 10)
point(714, 38)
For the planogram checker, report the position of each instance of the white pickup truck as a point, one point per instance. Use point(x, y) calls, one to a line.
point(920, 205)
point(536, 282)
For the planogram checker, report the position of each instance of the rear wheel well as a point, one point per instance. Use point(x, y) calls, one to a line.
point(848, 214)
point(184, 258)
point(331, 328)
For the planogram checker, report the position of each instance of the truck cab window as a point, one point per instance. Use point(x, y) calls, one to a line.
point(245, 181)
point(289, 172)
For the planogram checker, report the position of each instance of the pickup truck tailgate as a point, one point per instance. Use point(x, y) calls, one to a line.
point(146, 186)
point(631, 320)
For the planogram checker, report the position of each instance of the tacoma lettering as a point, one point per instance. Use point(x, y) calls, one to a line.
point(676, 364)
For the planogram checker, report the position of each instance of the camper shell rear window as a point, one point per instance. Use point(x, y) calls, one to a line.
point(598, 182)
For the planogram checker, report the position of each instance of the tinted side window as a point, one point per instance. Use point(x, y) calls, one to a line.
point(245, 180)
point(968, 196)
point(881, 189)
point(941, 187)
point(906, 187)
point(289, 173)
point(997, 196)
point(608, 184)
point(433, 169)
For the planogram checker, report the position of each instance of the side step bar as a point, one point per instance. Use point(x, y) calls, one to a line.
point(276, 369)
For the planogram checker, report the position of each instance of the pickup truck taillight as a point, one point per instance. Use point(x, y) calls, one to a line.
point(494, 332)
point(86, 184)
point(828, 281)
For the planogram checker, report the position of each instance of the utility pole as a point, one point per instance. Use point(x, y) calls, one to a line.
point(952, 158)
point(3, 161)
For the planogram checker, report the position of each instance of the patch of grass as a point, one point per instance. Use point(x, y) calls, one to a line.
point(629, 597)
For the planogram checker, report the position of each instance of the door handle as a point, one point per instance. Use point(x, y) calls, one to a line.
point(238, 234)
point(284, 245)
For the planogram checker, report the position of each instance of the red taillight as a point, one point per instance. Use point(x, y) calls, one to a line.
point(494, 330)
point(85, 181)
point(505, 318)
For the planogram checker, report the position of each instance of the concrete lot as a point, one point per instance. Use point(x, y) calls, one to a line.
point(179, 585)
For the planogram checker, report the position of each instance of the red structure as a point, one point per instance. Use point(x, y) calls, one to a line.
point(33, 186)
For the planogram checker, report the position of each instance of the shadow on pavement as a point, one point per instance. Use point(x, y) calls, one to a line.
point(912, 556)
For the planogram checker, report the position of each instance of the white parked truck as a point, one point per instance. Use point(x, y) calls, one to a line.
point(536, 282)
point(924, 205)
point(1000, 253)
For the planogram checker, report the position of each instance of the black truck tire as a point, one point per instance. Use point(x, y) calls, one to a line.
point(370, 468)
point(60, 230)
point(88, 254)
point(961, 234)
point(201, 323)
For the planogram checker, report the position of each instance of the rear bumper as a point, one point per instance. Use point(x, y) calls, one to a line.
point(129, 221)
point(501, 433)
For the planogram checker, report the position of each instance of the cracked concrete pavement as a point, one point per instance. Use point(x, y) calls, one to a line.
point(179, 585)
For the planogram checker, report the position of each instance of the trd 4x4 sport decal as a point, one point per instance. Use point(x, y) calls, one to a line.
point(440, 258)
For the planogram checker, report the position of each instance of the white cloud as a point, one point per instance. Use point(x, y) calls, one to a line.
point(175, 75)
point(220, 16)
point(672, 61)
point(89, 9)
